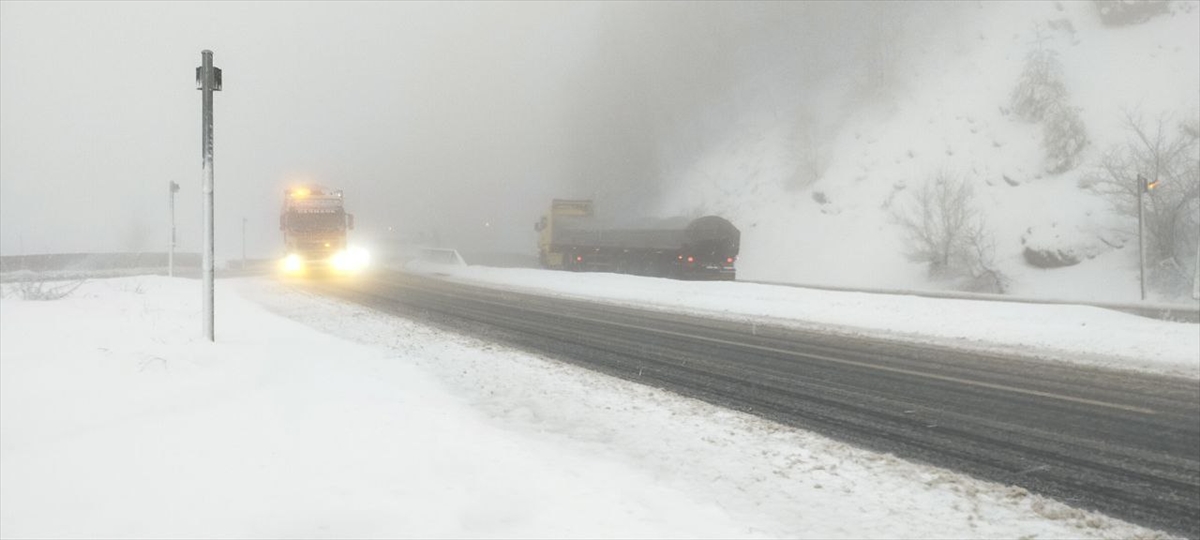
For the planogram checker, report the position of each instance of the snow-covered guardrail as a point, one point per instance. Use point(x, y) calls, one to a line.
point(1170, 312)
point(449, 257)
point(72, 266)
point(57, 262)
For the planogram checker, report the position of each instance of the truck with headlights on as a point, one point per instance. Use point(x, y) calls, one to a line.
point(315, 227)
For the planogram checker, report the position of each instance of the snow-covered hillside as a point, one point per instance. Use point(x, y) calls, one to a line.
point(946, 109)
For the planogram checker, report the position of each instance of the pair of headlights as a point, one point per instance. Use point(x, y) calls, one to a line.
point(349, 260)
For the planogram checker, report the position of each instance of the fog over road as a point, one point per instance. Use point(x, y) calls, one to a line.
point(459, 121)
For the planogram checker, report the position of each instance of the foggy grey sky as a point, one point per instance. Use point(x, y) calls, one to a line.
point(466, 118)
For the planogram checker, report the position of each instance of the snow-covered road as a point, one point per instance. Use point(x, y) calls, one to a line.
point(313, 418)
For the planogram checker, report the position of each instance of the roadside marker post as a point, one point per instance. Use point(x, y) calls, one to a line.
point(208, 80)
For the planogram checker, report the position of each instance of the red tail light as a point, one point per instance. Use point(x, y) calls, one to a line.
point(691, 259)
point(579, 258)
point(729, 260)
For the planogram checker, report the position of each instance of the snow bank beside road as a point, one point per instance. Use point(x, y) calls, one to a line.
point(1061, 332)
point(116, 420)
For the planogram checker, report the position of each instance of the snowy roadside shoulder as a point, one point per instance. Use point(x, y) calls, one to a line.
point(1065, 333)
point(776, 480)
point(118, 420)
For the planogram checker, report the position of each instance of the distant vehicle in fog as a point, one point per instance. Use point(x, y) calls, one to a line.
point(315, 225)
point(571, 238)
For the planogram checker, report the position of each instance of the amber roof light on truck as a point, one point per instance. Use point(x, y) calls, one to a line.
point(302, 192)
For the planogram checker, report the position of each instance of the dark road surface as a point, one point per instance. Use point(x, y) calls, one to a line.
point(1123, 443)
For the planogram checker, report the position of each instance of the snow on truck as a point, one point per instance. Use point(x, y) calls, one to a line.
point(315, 225)
point(572, 238)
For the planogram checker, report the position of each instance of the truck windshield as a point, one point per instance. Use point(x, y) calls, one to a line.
point(316, 221)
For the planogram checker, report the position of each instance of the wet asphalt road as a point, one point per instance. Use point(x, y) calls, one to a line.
point(1126, 444)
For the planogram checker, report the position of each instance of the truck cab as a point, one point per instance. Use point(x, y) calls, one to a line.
point(315, 224)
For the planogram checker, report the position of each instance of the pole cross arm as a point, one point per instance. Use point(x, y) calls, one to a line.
point(212, 78)
point(208, 76)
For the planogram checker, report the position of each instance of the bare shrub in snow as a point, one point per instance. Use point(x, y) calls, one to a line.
point(935, 221)
point(1127, 12)
point(947, 231)
point(1041, 96)
point(1040, 85)
point(1063, 138)
point(979, 262)
point(1168, 151)
point(37, 288)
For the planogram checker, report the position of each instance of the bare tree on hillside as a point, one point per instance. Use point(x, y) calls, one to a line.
point(948, 232)
point(1040, 85)
point(1063, 138)
point(1041, 96)
point(1166, 152)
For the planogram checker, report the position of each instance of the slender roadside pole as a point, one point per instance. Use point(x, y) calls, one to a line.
point(1196, 280)
point(208, 80)
point(1141, 189)
point(173, 188)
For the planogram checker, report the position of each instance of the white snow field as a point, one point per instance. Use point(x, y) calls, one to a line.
point(310, 417)
point(1070, 333)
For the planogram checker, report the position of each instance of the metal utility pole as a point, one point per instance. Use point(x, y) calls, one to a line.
point(1141, 188)
point(1144, 186)
point(1196, 280)
point(172, 189)
point(208, 80)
